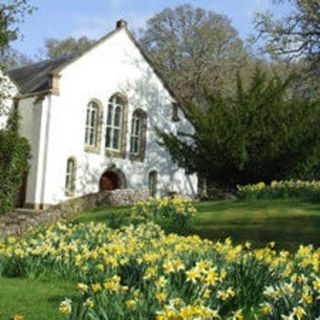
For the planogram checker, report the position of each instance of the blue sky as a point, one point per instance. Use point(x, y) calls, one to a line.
point(94, 18)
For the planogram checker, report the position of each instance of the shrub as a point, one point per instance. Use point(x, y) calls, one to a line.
point(281, 189)
point(174, 215)
point(14, 157)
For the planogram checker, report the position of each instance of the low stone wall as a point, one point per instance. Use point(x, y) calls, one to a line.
point(18, 223)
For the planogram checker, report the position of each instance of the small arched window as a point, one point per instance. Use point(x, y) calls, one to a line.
point(70, 177)
point(138, 134)
point(114, 123)
point(153, 183)
point(91, 124)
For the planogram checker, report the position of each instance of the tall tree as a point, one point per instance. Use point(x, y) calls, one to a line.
point(296, 35)
point(55, 48)
point(12, 13)
point(265, 133)
point(193, 49)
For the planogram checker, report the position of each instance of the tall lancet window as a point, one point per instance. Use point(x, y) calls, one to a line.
point(91, 124)
point(70, 180)
point(138, 135)
point(114, 125)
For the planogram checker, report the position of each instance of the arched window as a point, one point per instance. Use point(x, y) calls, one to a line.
point(138, 134)
point(114, 126)
point(91, 124)
point(153, 183)
point(70, 177)
point(93, 127)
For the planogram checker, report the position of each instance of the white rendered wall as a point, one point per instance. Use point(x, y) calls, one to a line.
point(33, 126)
point(112, 67)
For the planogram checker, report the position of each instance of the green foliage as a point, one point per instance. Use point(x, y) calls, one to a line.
point(174, 215)
point(194, 48)
point(281, 190)
point(56, 48)
point(14, 156)
point(11, 14)
point(265, 133)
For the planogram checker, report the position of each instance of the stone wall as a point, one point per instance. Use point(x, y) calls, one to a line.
point(17, 223)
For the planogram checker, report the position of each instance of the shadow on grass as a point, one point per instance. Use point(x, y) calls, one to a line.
point(287, 232)
point(217, 206)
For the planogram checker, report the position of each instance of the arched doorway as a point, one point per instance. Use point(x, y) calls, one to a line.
point(112, 179)
point(109, 181)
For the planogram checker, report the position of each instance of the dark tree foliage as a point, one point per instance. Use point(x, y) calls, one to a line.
point(265, 133)
point(14, 157)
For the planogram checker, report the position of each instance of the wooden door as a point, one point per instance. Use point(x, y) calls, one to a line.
point(109, 181)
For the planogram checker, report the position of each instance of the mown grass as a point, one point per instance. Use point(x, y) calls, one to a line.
point(289, 222)
point(33, 299)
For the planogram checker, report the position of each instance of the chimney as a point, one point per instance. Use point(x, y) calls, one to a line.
point(122, 23)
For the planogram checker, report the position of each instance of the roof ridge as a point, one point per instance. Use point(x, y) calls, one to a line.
point(50, 67)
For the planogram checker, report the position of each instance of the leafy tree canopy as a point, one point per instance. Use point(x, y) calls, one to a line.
point(55, 48)
point(12, 13)
point(194, 48)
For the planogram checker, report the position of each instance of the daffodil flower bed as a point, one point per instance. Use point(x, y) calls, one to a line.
point(281, 189)
point(173, 215)
point(139, 272)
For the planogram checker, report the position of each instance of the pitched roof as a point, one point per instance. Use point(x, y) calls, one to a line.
point(36, 77)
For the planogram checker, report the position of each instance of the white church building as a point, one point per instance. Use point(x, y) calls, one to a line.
point(90, 120)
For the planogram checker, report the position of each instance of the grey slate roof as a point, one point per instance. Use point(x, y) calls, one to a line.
point(36, 77)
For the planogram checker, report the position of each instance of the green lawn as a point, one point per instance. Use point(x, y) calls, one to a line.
point(33, 299)
point(289, 222)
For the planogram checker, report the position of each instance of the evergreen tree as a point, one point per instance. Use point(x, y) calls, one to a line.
point(266, 132)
